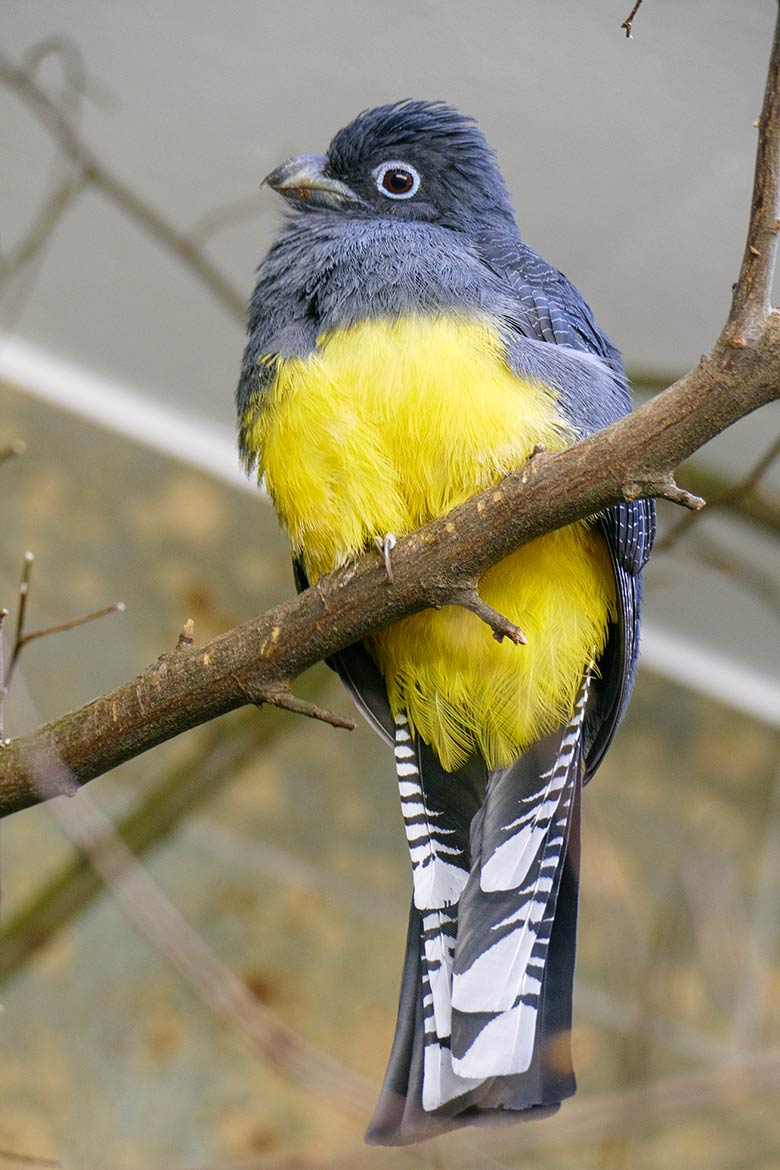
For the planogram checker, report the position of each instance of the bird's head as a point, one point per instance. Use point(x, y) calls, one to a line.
point(409, 161)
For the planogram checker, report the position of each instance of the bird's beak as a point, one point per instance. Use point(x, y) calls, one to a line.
point(303, 179)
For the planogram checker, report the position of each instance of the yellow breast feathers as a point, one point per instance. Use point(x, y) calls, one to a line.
point(390, 423)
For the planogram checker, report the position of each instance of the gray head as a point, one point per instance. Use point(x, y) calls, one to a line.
point(409, 161)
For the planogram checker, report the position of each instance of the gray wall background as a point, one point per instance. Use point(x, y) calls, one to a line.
point(630, 163)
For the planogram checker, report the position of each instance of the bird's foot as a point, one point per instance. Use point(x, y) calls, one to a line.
point(386, 546)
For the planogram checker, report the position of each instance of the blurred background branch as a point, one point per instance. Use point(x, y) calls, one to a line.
point(213, 763)
point(745, 498)
point(13, 449)
point(89, 170)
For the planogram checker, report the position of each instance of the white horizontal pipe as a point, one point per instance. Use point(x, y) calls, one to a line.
point(122, 409)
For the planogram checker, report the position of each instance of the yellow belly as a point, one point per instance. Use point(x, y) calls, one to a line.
point(390, 423)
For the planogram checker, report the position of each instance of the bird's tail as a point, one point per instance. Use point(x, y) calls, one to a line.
point(484, 1017)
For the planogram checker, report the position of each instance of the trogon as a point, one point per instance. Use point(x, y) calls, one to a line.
point(406, 350)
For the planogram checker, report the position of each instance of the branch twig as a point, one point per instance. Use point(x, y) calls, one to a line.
point(21, 614)
point(727, 499)
point(187, 634)
point(72, 623)
point(283, 697)
point(22, 638)
point(628, 23)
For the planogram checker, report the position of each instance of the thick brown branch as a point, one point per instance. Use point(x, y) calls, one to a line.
point(754, 288)
point(633, 458)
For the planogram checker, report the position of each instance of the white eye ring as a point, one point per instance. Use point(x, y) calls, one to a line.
point(396, 165)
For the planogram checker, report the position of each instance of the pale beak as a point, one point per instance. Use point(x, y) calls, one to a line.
point(304, 179)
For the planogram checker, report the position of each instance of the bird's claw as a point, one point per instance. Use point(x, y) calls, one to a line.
point(386, 545)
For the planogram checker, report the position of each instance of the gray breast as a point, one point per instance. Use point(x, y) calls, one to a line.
point(382, 268)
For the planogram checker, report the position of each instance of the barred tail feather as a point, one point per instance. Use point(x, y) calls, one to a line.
point(484, 1016)
point(509, 906)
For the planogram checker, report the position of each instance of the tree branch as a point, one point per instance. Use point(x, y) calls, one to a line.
point(22, 637)
point(633, 458)
point(443, 562)
point(751, 301)
point(628, 23)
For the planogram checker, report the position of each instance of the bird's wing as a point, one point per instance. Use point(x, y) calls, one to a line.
point(360, 676)
point(630, 531)
point(551, 308)
point(628, 528)
point(552, 325)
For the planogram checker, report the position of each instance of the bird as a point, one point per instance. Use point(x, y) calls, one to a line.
point(407, 349)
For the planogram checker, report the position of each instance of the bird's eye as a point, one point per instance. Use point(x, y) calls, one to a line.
point(397, 180)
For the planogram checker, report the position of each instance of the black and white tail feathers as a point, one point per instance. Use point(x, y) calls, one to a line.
point(484, 1017)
